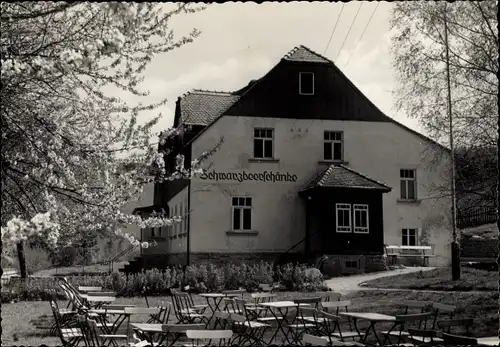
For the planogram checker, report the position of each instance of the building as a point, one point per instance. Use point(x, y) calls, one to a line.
point(308, 165)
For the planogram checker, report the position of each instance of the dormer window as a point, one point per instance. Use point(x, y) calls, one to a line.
point(306, 83)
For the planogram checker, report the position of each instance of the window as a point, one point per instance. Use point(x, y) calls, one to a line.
point(343, 218)
point(360, 218)
point(351, 264)
point(186, 216)
point(409, 237)
point(153, 232)
point(306, 83)
point(408, 186)
point(242, 213)
point(333, 149)
point(263, 143)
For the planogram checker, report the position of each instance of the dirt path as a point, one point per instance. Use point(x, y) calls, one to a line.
point(348, 284)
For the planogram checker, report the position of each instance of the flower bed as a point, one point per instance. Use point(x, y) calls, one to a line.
point(202, 278)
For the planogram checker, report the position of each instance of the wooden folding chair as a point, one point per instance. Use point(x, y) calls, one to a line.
point(447, 325)
point(418, 336)
point(400, 324)
point(257, 311)
point(163, 316)
point(300, 326)
point(440, 310)
point(334, 307)
point(248, 330)
point(185, 312)
point(221, 320)
point(329, 296)
point(94, 338)
point(69, 336)
point(223, 336)
point(266, 287)
point(457, 340)
point(314, 302)
point(176, 331)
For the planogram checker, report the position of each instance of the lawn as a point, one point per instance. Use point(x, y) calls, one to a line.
point(17, 326)
point(440, 279)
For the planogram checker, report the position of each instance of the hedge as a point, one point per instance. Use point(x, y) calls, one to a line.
point(201, 278)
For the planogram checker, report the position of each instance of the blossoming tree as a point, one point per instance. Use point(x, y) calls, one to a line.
point(63, 137)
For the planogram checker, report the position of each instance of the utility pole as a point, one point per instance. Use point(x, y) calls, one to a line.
point(455, 247)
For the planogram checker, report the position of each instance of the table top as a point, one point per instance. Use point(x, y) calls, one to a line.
point(489, 341)
point(213, 295)
point(373, 317)
point(281, 304)
point(104, 311)
point(100, 298)
point(146, 327)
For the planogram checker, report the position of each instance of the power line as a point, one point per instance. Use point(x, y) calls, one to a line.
point(345, 38)
point(359, 40)
point(335, 27)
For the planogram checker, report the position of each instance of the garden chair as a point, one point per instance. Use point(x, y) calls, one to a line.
point(177, 331)
point(94, 338)
point(257, 311)
point(133, 314)
point(442, 310)
point(66, 315)
point(418, 336)
point(199, 308)
point(234, 292)
point(232, 306)
point(337, 306)
point(69, 336)
point(266, 287)
point(163, 316)
point(329, 296)
point(446, 325)
point(315, 302)
point(184, 311)
point(401, 323)
point(330, 326)
point(197, 336)
point(299, 326)
point(221, 320)
point(247, 330)
point(456, 340)
point(415, 306)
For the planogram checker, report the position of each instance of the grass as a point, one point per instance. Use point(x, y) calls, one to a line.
point(18, 328)
point(440, 279)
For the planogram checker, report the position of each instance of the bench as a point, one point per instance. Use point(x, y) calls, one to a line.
point(394, 252)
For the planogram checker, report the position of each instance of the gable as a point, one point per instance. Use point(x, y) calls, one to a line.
point(276, 94)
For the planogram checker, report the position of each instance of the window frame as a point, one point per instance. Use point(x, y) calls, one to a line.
point(361, 207)
point(407, 237)
point(241, 209)
point(406, 180)
point(300, 82)
point(332, 145)
point(263, 139)
point(343, 207)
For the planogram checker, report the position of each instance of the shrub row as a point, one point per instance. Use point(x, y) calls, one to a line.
point(200, 278)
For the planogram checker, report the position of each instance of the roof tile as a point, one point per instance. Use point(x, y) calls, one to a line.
point(202, 107)
point(304, 54)
point(340, 176)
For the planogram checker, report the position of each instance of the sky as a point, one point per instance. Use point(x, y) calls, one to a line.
point(243, 41)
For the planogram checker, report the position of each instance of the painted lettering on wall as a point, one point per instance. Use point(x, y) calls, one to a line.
point(265, 176)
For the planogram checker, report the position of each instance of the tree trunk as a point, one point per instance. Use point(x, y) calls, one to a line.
point(22, 259)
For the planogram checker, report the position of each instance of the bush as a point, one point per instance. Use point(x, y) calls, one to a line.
point(37, 259)
point(201, 278)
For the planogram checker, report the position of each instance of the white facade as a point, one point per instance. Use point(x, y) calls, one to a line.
point(376, 149)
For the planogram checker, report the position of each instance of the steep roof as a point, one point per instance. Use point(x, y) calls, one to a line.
point(304, 54)
point(202, 107)
point(340, 176)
